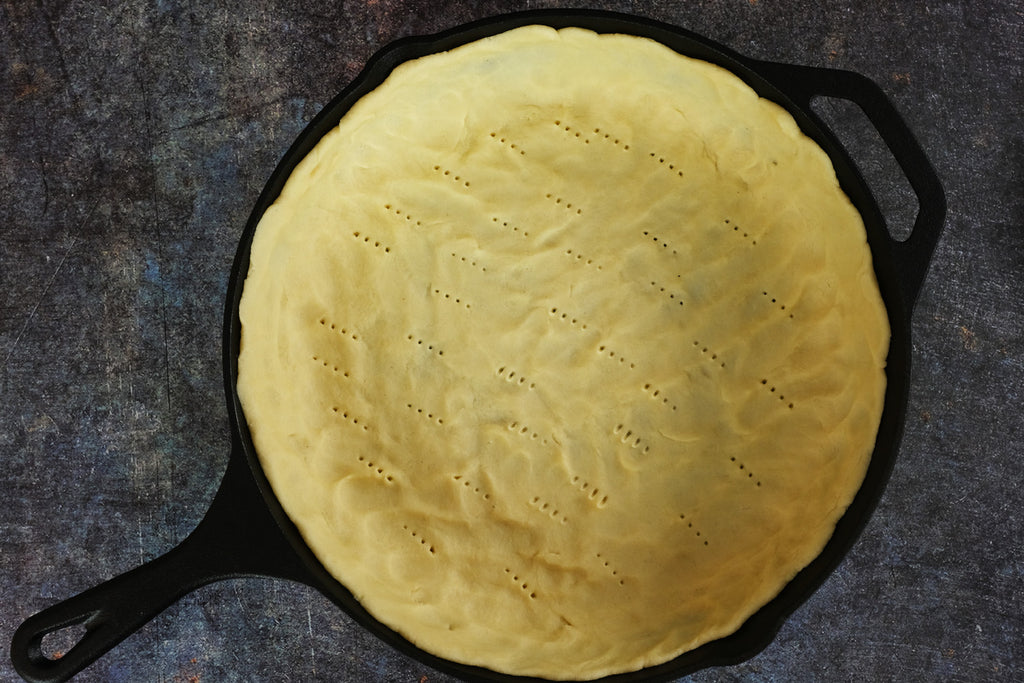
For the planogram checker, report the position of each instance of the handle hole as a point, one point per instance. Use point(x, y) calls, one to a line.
point(59, 642)
point(889, 186)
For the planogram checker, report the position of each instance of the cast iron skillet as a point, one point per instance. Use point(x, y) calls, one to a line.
point(246, 532)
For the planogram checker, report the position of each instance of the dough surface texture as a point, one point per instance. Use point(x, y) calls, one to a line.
point(563, 351)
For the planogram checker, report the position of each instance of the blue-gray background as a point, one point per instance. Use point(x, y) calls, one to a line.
point(135, 139)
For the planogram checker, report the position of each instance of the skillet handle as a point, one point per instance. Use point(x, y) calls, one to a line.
point(237, 537)
point(802, 83)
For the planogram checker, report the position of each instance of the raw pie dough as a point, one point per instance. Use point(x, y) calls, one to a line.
point(563, 351)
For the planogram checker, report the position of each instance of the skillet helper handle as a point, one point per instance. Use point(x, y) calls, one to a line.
point(237, 537)
point(803, 83)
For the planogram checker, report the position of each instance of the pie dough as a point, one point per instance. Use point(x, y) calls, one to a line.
point(563, 351)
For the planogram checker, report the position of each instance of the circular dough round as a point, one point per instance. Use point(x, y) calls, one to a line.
point(563, 351)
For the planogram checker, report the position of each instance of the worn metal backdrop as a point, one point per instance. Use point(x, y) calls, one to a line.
point(134, 139)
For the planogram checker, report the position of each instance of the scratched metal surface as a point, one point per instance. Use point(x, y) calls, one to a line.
point(135, 139)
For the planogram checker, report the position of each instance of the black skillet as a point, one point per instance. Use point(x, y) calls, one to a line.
point(245, 532)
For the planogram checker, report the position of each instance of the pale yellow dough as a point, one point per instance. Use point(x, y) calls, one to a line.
point(563, 351)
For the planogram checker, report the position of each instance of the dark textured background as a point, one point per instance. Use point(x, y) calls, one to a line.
point(135, 139)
